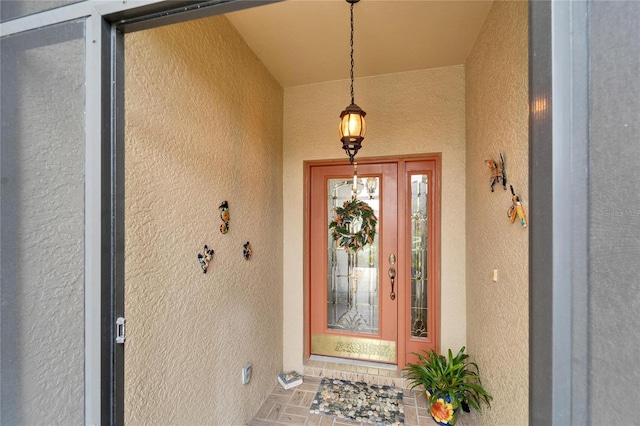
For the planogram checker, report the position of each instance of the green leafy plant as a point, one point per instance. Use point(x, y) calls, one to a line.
point(454, 379)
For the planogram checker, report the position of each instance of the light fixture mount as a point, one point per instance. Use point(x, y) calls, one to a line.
point(352, 124)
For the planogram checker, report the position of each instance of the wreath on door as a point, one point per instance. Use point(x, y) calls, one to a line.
point(349, 215)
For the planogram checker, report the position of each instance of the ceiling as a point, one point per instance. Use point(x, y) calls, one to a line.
point(307, 41)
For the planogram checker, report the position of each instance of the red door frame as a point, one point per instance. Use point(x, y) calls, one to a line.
point(411, 163)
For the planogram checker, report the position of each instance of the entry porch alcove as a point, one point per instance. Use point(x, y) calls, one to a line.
point(207, 122)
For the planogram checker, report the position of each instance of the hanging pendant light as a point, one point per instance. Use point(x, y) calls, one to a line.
point(352, 124)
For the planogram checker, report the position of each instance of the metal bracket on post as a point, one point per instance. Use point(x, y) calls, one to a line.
point(120, 330)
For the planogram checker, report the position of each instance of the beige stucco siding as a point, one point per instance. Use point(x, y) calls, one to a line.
point(497, 121)
point(203, 125)
point(415, 112)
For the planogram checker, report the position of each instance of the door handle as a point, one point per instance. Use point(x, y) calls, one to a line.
point(392, 276)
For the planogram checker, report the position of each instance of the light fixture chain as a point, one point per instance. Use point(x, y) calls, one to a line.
point(352, 126)
point(352, 97)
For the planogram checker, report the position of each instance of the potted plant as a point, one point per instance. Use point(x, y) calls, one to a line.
point(449, 383)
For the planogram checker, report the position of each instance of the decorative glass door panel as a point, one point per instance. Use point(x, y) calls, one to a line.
point(352, 313)
point(419, 275)
point(352, 286)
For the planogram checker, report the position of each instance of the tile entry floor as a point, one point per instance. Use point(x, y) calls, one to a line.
point(291, 407)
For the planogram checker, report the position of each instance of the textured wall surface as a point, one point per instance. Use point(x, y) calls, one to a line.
point(497, 121)
point(408, 113)
point(204, 124)
point(42, 291)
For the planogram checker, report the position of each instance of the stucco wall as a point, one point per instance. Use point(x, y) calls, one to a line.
point(408, 113)
point(203, 125)
point(497, 121)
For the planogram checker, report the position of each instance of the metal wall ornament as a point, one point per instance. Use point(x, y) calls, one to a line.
point(247, 251)
point(204, 258)
point(516, 209)
point(498, 174)
point(224, 215)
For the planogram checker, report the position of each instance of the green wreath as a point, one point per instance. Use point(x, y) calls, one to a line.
point(345, 215)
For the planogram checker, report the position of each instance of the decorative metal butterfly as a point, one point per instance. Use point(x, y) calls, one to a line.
point(205, 258)
point(498, 174)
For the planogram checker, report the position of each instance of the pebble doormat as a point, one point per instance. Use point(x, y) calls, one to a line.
point(376, 404)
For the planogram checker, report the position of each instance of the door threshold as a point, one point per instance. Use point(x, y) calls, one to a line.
point(350, 361)
point(373, 373)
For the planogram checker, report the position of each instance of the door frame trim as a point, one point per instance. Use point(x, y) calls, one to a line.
point(433, 255)
point(402, 330)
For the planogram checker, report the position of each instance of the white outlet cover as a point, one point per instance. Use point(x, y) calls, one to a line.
point(246, 374)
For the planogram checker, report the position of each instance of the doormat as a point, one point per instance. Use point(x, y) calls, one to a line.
point(376, 404)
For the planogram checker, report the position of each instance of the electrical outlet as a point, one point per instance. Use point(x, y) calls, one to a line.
point(246, 374)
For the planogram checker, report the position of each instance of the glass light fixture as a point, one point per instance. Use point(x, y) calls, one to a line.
point(352, 124)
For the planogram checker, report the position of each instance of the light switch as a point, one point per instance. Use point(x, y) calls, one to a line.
point(495, 276)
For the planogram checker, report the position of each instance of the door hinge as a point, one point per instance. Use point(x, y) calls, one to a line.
point(120, 330)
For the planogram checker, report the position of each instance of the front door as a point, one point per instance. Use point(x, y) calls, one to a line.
point(380, 303)
point(352, 314)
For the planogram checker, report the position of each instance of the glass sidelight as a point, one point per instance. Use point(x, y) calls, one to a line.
point(422, 212)
point(419, 275)
point(352, 281)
